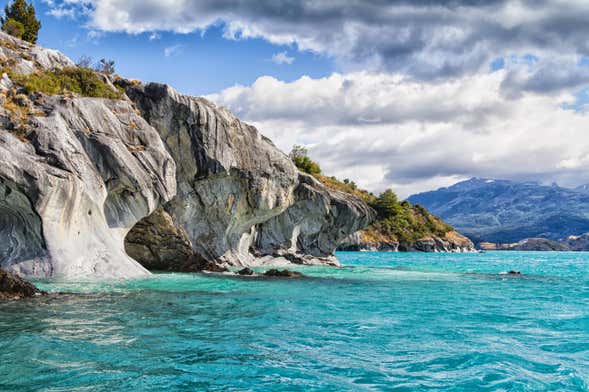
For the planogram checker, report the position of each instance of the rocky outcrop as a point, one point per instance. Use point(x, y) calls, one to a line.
point(310, 230)
point(452, 242)
point(577, 243)
point(240, 200)
point(14, 287)
point(88, 170)
point(25, 58)
point(104, 188)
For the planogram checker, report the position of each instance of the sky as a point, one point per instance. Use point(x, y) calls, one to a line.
point(407, 94)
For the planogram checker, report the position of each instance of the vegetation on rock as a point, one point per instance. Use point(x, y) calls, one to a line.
point(21, 21)
point(14, 28)
point(303, 162)
point(81, 81)
point(396, 222)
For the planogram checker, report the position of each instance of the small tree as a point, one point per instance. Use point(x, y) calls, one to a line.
point(84, 61)
point(22, 12)
point(303, 162)
point(386, 204)
point(106, 66)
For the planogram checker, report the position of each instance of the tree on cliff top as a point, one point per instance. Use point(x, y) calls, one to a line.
point(303, 162)
point(23, 13)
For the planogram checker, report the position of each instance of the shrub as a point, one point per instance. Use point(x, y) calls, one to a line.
point(106, 66)
point(306, 165)
point(303, 162)
point(21, 12)
point(82, 81)
point(14, 28)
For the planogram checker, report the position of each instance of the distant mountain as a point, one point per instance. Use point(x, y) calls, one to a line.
point(583, 188)
point(503, 211)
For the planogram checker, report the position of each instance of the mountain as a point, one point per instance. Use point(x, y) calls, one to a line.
point(501, 211)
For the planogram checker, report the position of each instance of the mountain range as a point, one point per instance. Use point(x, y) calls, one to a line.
point(502, 211)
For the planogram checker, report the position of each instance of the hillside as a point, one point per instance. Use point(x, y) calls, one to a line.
point(501, 211)
point(399, 225)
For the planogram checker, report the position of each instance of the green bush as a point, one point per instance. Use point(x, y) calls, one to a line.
point(81, 81)
point(24, 13)
point(306, 165)
point(14, 28)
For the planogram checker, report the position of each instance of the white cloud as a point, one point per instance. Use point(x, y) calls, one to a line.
point(421, 134)
point(282, 58)
point(173, 50)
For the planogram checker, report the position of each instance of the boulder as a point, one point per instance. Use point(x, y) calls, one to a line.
point(245, 271)
point(283, 274)
point(14, 287)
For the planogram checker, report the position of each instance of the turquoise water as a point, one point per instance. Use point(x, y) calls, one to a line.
point(384, 322)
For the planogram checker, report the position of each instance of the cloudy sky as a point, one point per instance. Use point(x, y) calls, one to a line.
point(411, 95)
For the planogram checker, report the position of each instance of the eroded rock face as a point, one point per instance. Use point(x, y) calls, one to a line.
point(230, 177)
point(88, 170)
point(310, 230)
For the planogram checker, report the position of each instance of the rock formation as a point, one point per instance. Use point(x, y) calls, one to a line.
point(577, 243)
point(311, 229)
point(88, 170)
point(187, 184)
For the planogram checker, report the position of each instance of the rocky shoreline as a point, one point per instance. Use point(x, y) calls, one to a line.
point(98, 187)
point(451, 242)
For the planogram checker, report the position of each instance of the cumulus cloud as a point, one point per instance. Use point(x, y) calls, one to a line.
point(390, 130)
point(426, 39)
point(282, 58)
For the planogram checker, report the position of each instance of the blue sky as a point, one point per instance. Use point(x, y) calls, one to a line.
point(406, 94)
point(197, 63)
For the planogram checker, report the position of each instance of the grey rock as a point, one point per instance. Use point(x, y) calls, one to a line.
point(240, 200)
point(275, 273)
point(246, 271)
point(452, 242)
point(311, 229)
point(25, 58)
point(577, 243)
point(88, 171)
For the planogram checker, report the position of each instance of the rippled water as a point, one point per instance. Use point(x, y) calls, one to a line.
point(384, 322)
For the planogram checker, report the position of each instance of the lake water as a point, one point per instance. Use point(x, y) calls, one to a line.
point(385, 321)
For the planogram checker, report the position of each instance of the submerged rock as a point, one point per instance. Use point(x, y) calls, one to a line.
point(14, 287)
point(283, 273)
point(245, 271)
